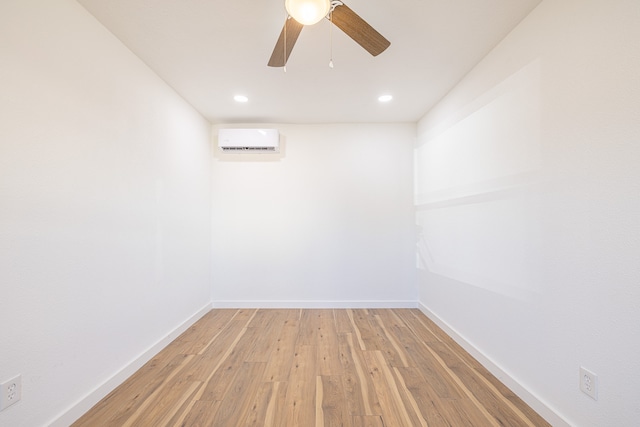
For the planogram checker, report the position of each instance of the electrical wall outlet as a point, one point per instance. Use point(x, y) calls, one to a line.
point(10, 392)
point(589, 383)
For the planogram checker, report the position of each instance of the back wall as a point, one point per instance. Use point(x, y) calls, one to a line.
point(328, 222)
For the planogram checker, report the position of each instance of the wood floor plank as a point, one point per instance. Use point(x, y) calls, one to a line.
point(483, 381)
point(262, 413)
point(166, 405)
point(395, 354)
point(426, 324)
point(394, 413)
point(199, 335)
point(225, 377)
point(420, 357)
point(389, 317)
point(417, 327)
point(277, 408)
point(308, 329)
point(281, 357)
point(279, 368)
point(494, 383)
point(367, 332)
point(266, 340)
point(358, 386)
point(235, 407)
point(222, 360)
point(342, 321)
point(158, 393)
point(464, 412)
point(299, 405)
point(118, 405)
point(367, 421)
point(330, 408)
point(263, 317)
point(427, 400)
point(463, 387)
point(356, 330)
point(383, 340)
point(202, 414)
point(409, 400)
point(403, 338)
point(200, 368)
point(532, 415)
point(328, 358)
point(495, 405)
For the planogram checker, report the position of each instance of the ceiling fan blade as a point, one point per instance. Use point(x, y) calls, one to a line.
point(291, 30)
point(359, 30)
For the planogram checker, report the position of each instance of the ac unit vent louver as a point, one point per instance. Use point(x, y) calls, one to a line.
point(249, 140)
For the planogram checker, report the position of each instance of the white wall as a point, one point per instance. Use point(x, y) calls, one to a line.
point(327, 223)
point(104, 210)
point(528, 204)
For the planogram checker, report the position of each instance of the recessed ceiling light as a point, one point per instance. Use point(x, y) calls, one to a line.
point(240, 98)
point(385, 98)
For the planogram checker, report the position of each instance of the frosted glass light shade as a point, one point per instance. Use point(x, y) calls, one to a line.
point(307, 12)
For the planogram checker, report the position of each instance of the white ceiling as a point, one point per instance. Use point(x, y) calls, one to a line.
point(211, 50)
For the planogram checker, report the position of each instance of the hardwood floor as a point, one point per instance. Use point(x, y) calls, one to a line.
point(351, 368)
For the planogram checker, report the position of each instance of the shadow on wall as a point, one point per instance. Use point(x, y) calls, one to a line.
point(477, 179)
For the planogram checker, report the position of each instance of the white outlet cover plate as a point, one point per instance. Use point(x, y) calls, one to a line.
point(589, 383)
point(10, 392)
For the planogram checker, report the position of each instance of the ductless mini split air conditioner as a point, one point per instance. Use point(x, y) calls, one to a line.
point(249, 140)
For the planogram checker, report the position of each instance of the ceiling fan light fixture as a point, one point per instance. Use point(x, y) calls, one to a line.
point(307, 12)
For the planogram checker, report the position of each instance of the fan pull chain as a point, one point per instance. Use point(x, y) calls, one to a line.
point(285, 44)
point(331, 39)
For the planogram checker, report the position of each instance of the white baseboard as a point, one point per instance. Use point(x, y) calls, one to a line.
point(78, 409)
point(316, 304)
point(529, 398)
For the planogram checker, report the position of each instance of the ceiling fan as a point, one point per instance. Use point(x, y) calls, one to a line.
point(308, 12)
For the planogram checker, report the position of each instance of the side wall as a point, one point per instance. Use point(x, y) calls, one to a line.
point(104, 210)
point(329, 222)
point(528, 206)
